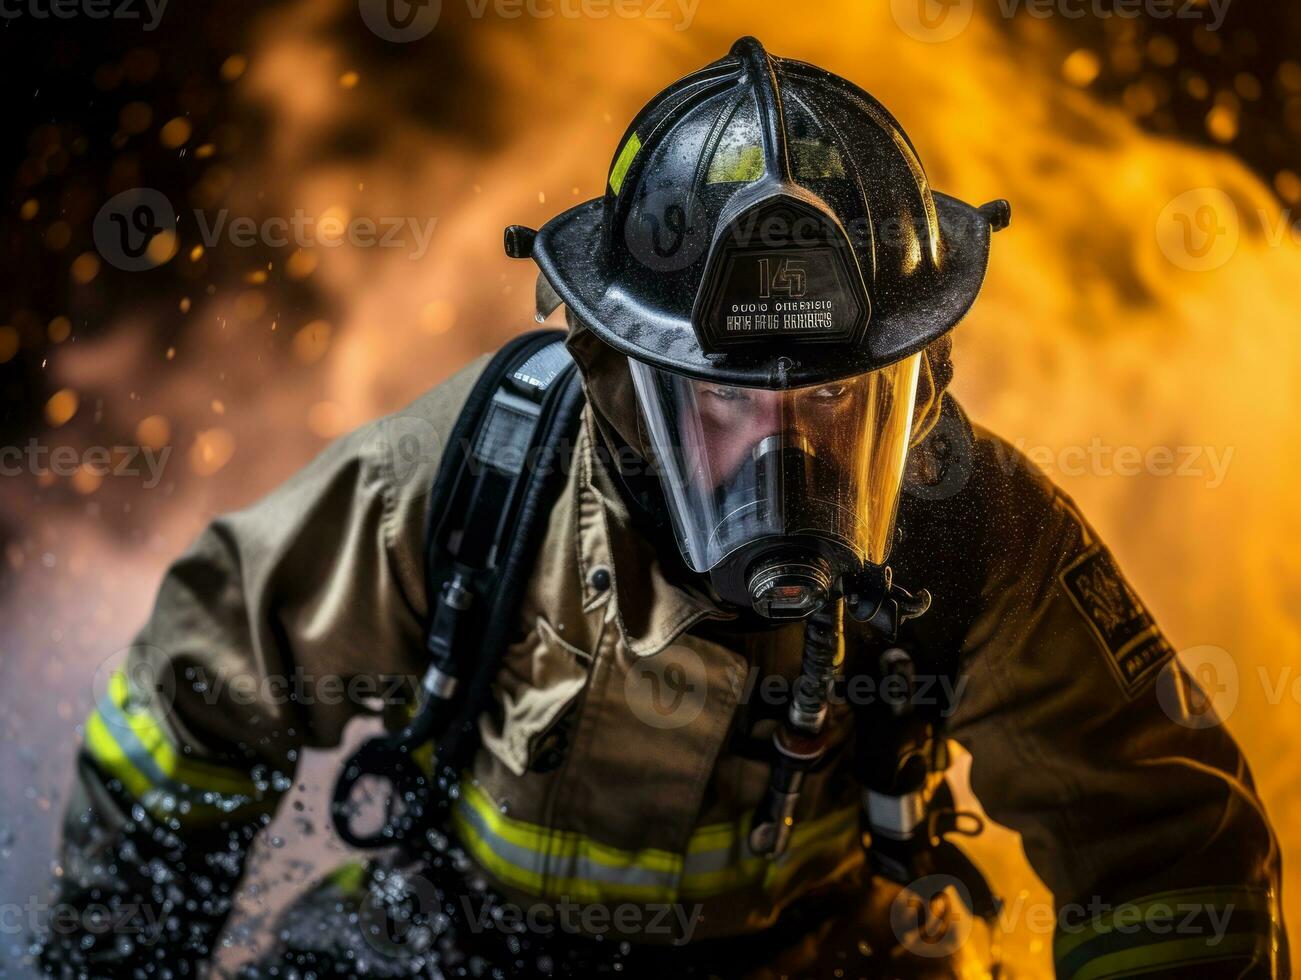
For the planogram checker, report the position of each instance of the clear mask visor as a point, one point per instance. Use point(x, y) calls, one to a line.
point(740, 465)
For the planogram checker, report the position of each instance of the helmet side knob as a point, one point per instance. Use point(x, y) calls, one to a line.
point(998, 213)
point(519, 241)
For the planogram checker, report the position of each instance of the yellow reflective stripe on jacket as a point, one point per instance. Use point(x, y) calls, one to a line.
point(349, 877)
point(564, 864)
point(730, 866)
point(1171, 929)
point(128, 744)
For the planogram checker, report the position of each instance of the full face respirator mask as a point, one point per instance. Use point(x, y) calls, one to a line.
point(776, 494)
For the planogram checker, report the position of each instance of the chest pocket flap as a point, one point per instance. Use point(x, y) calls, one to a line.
point(539, 680)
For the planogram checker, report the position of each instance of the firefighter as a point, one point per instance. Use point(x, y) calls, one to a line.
point(770, 498)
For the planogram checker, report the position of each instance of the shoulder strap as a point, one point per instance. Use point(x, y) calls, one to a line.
point(501, 469)
point(485, 535)
point(510, 390)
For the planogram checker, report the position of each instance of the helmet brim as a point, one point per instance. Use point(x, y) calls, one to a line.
point(920, 309)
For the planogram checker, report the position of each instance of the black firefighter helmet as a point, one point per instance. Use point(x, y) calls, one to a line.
point(771, 259)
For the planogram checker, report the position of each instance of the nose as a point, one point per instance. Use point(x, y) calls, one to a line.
point(734, 429)
point(760, 419)
point(763, 418)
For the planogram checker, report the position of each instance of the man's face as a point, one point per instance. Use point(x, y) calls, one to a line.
point(833, 466)
point(733, 421)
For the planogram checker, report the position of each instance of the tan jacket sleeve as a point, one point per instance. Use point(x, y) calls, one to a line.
point(1087, 738)
point(281, 623)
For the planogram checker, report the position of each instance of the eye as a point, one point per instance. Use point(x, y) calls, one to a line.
point(830, 392)
point(726, 393)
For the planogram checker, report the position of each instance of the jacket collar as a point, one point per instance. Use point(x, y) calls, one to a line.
point(651, 610)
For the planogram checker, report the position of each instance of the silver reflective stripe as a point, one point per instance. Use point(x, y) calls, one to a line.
point(684, 872)
point(895, 816)
point(579, 866)
point(166, 792)
point(738, 851)
point(127, 741)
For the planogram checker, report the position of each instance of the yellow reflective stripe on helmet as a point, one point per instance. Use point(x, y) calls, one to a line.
point(623, 162)
point(1178, 928)
point(812, 159)
point(736, 164)
point(816, 160)
point(566, 864)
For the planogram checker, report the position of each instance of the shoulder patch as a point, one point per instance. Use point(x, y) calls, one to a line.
point(1135, 648)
